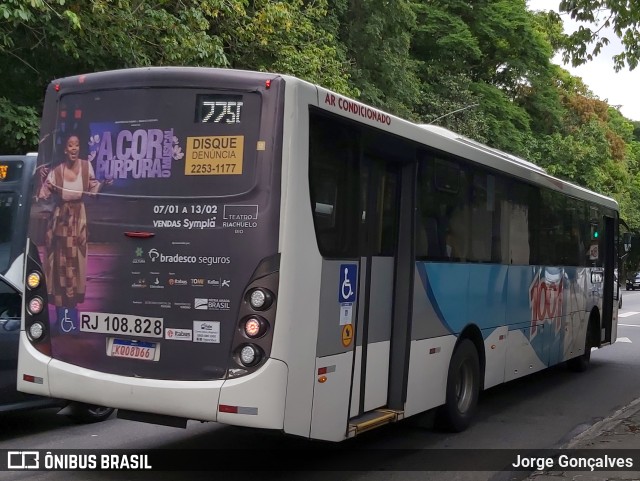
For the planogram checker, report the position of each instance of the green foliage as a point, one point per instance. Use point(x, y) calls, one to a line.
point(43, 40)
point(18, 126)
point(377, 38)
point(479, 67)
point(623, 17)
point(282, 36)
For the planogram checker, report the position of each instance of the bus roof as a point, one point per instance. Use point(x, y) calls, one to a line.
point(437, 137)
point(505, 157)
point(450, 142)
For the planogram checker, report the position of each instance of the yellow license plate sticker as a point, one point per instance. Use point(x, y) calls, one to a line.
point(216, 155)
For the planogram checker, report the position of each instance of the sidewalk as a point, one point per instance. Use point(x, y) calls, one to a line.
point(620, 431)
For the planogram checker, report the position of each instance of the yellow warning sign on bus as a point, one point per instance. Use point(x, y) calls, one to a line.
point(216, 155)
point(347, 335)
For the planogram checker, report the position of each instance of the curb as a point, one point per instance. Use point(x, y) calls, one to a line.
point(598, 428)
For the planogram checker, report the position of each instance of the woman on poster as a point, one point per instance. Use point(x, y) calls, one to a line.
point(66, 237)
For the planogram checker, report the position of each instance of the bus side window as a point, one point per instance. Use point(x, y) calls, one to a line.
point(429, 236)
point(325, 197)
point(334, 182)
point(442, 223)
point(487, 202)
point(522, 224)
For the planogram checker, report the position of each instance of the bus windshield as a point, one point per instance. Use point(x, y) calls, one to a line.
point(146, 139)
point(15, 176)
point(7, 209)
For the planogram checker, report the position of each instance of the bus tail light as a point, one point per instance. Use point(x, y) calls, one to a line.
point(251, 345)
point(260, 299)
point(36, 314)
point(36, 305)
point(33, 280)
point(255, 327)
point(249, 355)
point(36, 331)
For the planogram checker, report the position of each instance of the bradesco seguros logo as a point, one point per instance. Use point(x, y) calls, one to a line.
point(161, 258)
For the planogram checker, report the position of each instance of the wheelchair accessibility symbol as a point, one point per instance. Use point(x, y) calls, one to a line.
point(348, 280)
point(66, 323)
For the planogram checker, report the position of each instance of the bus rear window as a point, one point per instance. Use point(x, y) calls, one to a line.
point(146, 139)
point(7, 209)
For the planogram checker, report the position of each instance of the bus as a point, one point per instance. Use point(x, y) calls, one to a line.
point(16, 177)
point(251, 249)
point(16, 173)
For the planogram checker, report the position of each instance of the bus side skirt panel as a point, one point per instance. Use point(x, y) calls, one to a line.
point(495, 348)
point(428, 367)
point(260, 397)
point(32, 363)
point(331, 397)
point(295, 334)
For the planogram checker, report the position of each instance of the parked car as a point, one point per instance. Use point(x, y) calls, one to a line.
point(633, 281)
point(15, 178)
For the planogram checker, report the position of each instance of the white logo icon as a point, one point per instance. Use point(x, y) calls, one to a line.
point(347, 291)
point(23, 460)
point(201, 304)
point(154, 254)
point(66, 323)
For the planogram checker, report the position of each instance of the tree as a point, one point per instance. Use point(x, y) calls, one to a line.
point(493, 53)
point(41, 40)
point(291, 37)
point(622, 16)
point(377, 37)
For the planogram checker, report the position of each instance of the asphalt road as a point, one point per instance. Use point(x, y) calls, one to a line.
point(541, 411)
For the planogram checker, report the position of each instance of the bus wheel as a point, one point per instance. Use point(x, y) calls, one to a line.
point(581, 363)
point(89, 413)
point(463, 388)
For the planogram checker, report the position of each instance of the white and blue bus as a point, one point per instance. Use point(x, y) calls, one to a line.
point(252, 249)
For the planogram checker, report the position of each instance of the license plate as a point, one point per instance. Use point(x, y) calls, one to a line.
point(131, 325)
point(132, 349)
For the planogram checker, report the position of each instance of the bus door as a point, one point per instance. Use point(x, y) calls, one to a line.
point(608, 293)
point(362, 189)
point(386, 238)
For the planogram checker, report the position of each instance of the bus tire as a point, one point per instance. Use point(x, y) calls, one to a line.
point(89, 413)
point(463, 388)
point(581, 363)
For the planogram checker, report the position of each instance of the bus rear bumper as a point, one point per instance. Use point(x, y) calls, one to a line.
point(256, 400)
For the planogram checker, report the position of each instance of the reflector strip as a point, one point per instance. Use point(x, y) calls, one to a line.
point(225, 408)
point(33, 379)
point(434, 350)
point(326, 369)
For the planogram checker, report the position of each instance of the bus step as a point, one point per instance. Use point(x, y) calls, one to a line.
point(372, 420)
